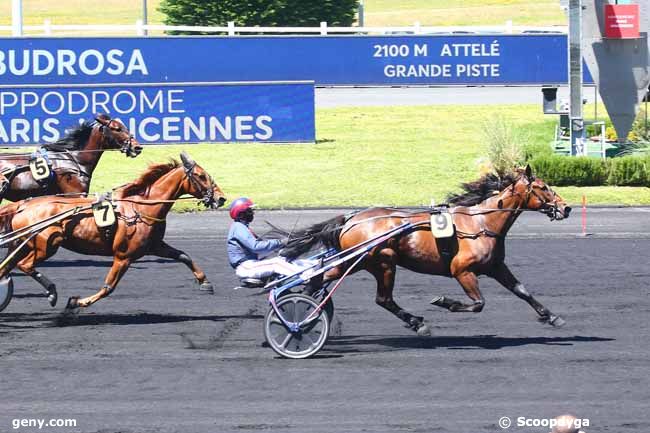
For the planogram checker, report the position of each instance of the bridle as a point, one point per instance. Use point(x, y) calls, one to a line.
point(126, 145)
point(549, 208)
point(208, 193)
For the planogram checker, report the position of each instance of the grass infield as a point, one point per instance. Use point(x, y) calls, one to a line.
point(402, 156)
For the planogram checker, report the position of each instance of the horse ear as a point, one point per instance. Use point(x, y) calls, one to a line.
point(528, 172)
point(102, 118)
point(188, 162)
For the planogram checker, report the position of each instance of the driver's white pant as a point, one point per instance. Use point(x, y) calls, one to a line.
point(265, 268)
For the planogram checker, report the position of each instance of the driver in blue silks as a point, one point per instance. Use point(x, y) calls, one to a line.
point(245, 248)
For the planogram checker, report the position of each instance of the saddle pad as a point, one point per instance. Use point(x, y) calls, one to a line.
point(442, 226)
point(39, 168)
point(104, 213)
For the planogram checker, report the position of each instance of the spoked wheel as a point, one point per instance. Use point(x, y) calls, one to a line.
point(6, 292)
point(329, 305)
point(303, 342)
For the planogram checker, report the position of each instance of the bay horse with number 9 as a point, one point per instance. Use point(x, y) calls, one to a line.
point(140, 209)
point(482, 216)
point(72, 160)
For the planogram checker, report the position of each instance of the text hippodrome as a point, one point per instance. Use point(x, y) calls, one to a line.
point(166, 118)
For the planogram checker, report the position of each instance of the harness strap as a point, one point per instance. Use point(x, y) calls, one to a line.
point(154, 219)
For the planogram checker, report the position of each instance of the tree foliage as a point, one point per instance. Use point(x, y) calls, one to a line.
point(259, 12)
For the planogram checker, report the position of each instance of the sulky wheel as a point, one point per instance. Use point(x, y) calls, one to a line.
point(6, 292)
point(320, 295)
point(303, 342)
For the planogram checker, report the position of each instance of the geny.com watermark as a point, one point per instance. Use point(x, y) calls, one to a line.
point(41, 423)
point(522, 421)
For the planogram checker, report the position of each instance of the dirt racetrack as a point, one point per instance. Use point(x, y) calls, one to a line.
point(157, 356)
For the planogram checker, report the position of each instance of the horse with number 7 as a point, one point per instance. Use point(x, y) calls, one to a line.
point(126, 226)
point(471, 242)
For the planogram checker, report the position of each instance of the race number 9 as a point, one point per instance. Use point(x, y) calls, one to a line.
point(39, 168)
point(104, 214)
point(442, 225)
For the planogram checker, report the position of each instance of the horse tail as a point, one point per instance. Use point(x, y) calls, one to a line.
point(326, 233)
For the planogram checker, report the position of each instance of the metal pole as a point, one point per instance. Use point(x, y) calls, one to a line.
point(17, 17)
point(144, 15)
point(596, 103)
point(360, 12)
point(575, 77)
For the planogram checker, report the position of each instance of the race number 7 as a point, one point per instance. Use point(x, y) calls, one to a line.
point(104, 214)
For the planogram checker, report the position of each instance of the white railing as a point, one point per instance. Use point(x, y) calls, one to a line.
point(141, 29)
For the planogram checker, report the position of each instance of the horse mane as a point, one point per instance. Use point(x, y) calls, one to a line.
point(146, 179)
point(76, 139)
point(482, 189)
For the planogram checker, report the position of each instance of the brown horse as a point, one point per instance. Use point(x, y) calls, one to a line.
point(140, 207)
point(482, 217)
point(73, 160)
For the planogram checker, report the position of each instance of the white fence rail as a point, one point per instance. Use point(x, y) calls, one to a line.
point(141, 29)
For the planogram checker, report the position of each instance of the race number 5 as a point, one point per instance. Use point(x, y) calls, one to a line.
point(39, 168)
point(104, 214)
point(442, 225)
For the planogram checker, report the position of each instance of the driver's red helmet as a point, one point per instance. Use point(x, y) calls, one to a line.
point(240, 205)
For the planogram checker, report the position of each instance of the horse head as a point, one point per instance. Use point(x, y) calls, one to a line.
point(117, 136)
point(540, 197)
point(201, 184)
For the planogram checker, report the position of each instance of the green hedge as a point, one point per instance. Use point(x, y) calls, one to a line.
point(274, 13)
point(585, 171)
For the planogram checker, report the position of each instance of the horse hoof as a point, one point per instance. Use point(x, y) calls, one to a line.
point(52, 298)
point(206, 287)
point(423, 331)
point(438, 301)
point(73, 303)
point(557, 321)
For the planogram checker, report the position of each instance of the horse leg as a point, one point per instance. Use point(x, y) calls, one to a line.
point(384, 272)
point(41, 279)
point(503, 275)
point(166, 251)
point(36, 256)
point(26, 261)
point(469, 283)
point(120, 266)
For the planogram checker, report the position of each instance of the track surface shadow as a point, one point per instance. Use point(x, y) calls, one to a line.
point(490, 342)
point(95, 319)
point(98, 263)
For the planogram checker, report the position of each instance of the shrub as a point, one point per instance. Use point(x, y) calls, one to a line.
point(628, 171)
point(258, 12)
point(585, 171)
point(504, 151)
point(565, 170)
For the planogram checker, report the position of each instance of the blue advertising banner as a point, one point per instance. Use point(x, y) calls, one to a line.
point(163, 113)
point(327, 60)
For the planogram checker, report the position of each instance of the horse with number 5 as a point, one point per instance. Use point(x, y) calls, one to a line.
point(481, 218)
point(65, 166)
point(136, 225)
